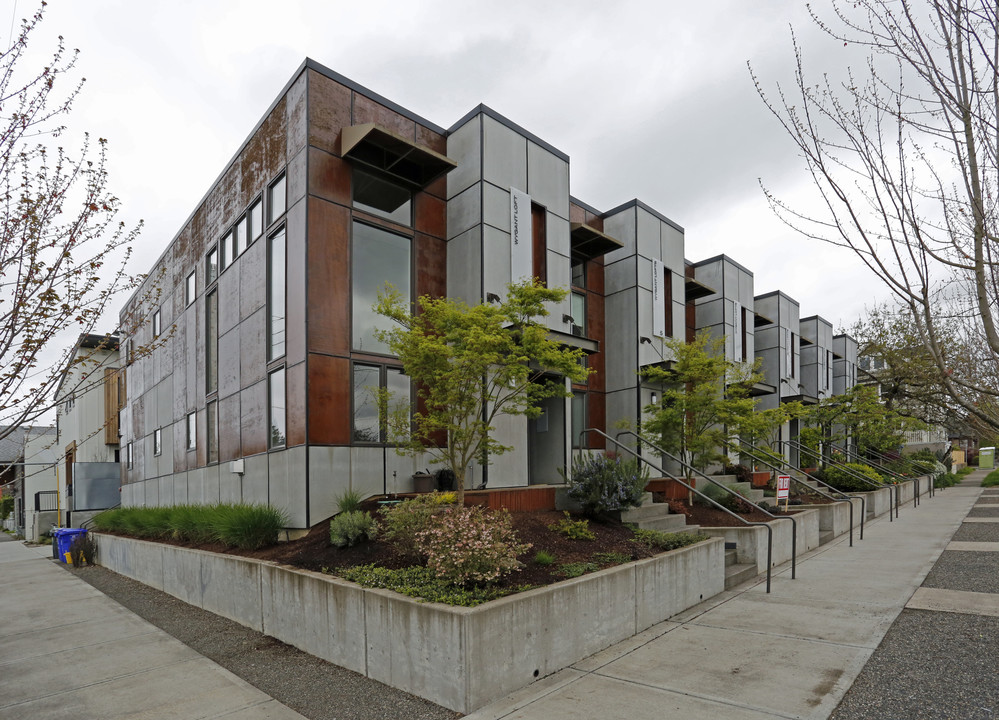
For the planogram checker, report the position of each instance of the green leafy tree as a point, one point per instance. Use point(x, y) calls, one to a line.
point(761, 428)
point(470, 365)
point(705, 400)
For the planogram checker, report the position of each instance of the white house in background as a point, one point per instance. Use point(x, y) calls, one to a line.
point(87, 422)
point(39, 483)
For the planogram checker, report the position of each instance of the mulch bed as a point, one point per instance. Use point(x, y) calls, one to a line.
point(710, 516)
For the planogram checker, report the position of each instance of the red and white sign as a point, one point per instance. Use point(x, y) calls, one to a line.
point(783, 487)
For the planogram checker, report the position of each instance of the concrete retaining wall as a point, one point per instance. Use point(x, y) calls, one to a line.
point(835, 517)
point(751, 541)
point(461, 658)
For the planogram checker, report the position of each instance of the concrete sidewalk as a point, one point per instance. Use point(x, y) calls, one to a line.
point(746, 654)
point(69, 651)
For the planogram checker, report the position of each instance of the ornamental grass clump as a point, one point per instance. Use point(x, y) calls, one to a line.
point(349, 528)
point(469, 546)
point(602, 483)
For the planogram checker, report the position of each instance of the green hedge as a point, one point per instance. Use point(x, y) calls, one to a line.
point(243, 526)
point(844, 478)
point(991, 480)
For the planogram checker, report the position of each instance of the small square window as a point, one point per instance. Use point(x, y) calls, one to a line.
point(212, 266)
point(157, 324)
point(381, 197)
point(190, 291)
point(192, 431)
point(276, 200)
point(256, 215)
point(157, 441)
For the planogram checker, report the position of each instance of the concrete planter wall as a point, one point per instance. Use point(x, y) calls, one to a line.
point(751, 541)
point(461, 658)
point(835, 517)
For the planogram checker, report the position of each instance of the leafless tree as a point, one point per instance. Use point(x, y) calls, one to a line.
point(905, 157)
point(62, 253)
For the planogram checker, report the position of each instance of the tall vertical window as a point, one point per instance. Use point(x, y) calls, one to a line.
point(191, 434)
point(745, 337)
point(276, 200)
point(276, 305)
point(212, 266)
point(256, 215)
point(579, 273)
point(225, 251)
point(242, 235)
point(539, 242)
point(793, 355)
point(370, 415)
point(578, 311)
point(668, 300)
point(128, 455)
point(190, 289)
point(157, 324)
point(379, 257)
point(157, 441)
point(276, 409)
point(580, 418)
point(212, 342)
point(212, 419)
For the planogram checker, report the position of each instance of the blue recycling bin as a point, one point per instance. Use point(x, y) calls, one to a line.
point(64, 537)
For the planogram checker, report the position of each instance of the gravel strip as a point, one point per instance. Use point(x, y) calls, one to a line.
point(988, 500)
point(977, 532)
point(980, 511)
point(965, 570)
point(315, 688)
point(930, 665)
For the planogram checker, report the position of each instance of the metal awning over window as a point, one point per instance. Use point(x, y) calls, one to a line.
point(589, 243)
point(695, 289)
point(761, 320)
point(394, 155)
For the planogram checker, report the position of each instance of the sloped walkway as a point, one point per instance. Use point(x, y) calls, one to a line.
point(793, 653)
point(69, 651)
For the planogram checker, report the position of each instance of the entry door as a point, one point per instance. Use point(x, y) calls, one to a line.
point(546, 440)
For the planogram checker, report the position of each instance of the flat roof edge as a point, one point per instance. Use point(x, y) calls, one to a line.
point(483, 109)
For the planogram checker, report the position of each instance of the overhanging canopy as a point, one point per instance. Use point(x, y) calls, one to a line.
point(589, 243)
point(394, 155)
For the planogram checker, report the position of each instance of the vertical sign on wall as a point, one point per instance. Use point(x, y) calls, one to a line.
point(788, 354)
point(658, 299)
point(737, 331)
point(521, 249)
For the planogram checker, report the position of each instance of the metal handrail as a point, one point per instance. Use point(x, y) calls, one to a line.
point(47, 494)
point(855, 475)
point(915, 464)
point(687, 467)
point(880, 468)
point(663, 473)
point(763, 461)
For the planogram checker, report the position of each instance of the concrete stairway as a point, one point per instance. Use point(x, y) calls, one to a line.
point(743, 488)
point(656, 516)
point(736, 573)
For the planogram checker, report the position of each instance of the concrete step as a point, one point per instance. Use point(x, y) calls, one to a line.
point(673, 522)
point(645, 512)
point(731, 557)
point(739, 573)
point(825, 536)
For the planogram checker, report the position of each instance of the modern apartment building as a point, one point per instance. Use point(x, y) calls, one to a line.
point(250, 374)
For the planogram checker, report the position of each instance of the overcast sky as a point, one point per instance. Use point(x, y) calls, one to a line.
point(650, 99)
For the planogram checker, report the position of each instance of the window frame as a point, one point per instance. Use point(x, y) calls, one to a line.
point(211, 277)
point(191, 288)
point(383, 369)
point(411, 281)
point(273, 354)
point(191, 431)
point(375, 211)
point(211, 343)
point(157, 442)
point(273, 217)
point(157, 324)
point(212, 438)
point(271, 445)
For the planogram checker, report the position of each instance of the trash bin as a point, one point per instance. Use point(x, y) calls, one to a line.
point(987, 457)
point(64, 538)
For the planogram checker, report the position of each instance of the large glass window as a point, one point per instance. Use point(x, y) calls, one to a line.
point(212, 342)
point(212, 417)
point(579, 273)
point(379, 257)
point(369, 414)
point(381, 197)
point(277, 416)
point(276, 296)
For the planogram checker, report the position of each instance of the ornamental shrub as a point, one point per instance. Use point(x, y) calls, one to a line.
point(349, 528)
point(573, 529)
point(606, 484)
point(467, 545)
point(402, 522)
point(658, 540)
point(991, 480)
point(843, 479)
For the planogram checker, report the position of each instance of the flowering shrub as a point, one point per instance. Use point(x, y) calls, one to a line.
point(405, 520)
point(466, 545)
point(349, 528)
point(602, 483)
